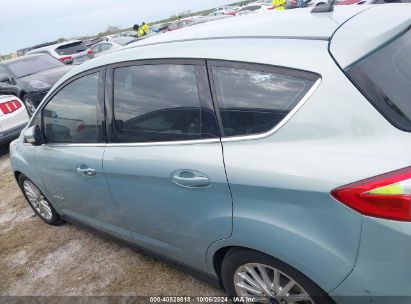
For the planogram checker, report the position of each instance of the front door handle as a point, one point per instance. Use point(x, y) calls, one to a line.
point(190, 178)
point(85, 170)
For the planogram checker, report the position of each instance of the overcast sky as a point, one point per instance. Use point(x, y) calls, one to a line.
point(24, 23)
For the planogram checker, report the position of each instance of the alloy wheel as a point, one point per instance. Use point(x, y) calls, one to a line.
point(37, 200)
point(268, 285)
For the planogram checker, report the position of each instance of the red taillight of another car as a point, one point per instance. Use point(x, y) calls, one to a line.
point(89, 51)
point(65, 58)
point(10, 106)
point(386, 196)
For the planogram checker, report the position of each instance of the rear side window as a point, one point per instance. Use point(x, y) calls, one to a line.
point(253, 102)
point(105, 47)
point(160, 103)
point(71, 115)
point(384, 77)
point(71, 48)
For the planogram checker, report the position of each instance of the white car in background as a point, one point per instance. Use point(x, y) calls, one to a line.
point(13, 118)
point(105, 47)
point(224, 10)
point(74, 52)
point(251, 9)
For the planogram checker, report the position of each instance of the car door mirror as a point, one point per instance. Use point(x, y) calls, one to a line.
point(33, 136)
point(4, 78)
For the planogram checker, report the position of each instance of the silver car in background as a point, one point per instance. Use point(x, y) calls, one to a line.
point(110, 45)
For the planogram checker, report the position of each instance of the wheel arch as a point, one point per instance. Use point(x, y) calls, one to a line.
point(17, 175)
point(222, 252)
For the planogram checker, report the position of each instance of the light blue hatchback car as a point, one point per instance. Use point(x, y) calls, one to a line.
point(268, 157)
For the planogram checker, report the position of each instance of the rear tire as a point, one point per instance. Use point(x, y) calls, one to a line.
point(38, 202)
point(248, 273)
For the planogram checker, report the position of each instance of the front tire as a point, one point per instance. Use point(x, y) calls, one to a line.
point(251, 274)
point(38, 202)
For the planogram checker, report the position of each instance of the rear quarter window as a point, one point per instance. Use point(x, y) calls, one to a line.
point(384, 77)
point(255, 101)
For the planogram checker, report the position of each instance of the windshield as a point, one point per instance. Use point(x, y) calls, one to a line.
point(33, 64)
point(384, 77)
point(71, 48)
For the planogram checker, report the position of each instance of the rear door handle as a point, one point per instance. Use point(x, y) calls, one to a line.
point(85, 170)
point(190, 178)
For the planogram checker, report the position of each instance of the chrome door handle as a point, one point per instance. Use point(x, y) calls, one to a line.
point(190, 178)
point(85, 170)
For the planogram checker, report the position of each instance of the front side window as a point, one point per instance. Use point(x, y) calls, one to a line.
point(71, 115)
point(160, 103)
point(253, 102)
point(384, 77)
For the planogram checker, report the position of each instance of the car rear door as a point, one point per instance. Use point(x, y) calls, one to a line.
point(70, 162)
point(164, 162)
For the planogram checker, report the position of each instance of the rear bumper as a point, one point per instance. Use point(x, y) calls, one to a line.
point(8, 135)
point(382, 273)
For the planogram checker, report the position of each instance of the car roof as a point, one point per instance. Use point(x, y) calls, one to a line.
point(52, 47)
point(270, 25)
point(355, 40)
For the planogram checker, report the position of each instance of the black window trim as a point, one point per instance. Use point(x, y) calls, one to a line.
point(203, 91)
point(363, 92)
point(100, 117)
point(105, 110)
point(259, 67)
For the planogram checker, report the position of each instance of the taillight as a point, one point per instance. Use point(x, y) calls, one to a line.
point(89, 51)
point(65, 58)
point(385, 196)
point(10, 106)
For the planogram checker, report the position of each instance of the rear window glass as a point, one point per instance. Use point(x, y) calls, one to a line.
point(252, 102)
point(72, 48)
point(384, 77)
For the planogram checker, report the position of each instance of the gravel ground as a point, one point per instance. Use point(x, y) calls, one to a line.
point(41, 260)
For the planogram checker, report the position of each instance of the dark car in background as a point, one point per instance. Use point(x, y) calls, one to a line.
point(30, 78)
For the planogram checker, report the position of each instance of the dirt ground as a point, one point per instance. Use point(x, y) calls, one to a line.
point(41, 260)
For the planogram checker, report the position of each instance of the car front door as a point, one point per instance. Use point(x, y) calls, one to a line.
point(70, 161)
point(164, 164)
